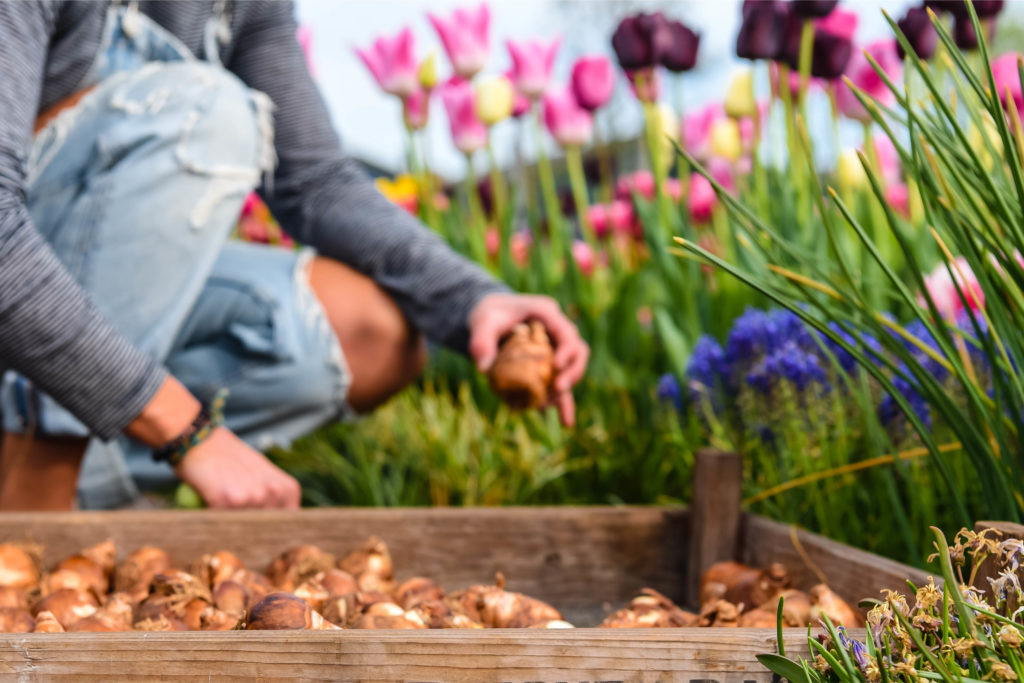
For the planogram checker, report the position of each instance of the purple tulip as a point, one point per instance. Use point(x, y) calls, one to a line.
point(964, 35)
point(919, 31)
point(811, 9)
point(985, 9)
point(681, 54)
point(763, 30)
point(593, 81)
point(639, 41)
point(829, 55)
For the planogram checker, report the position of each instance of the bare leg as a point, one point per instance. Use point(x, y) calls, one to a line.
point(39, 474)
point(383, 351)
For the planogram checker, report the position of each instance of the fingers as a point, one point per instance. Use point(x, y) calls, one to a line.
point(483, 341)
point(566, 408)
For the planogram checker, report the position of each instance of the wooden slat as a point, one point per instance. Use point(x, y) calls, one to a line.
point(988, 570)
point(714, 513)
point(853, 574)
point(498, 656)
point(571, 556)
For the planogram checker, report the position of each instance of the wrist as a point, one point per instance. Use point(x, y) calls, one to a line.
point(167, 415)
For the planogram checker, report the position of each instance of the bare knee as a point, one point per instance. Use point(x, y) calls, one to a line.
point(384, 352)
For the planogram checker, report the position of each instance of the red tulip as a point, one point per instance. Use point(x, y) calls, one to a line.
point(593, 81)
point(464, 36)
point(532, 61)
point(392, 61)
point(569, 124)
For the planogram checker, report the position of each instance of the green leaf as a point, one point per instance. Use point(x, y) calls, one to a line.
point(788, 669)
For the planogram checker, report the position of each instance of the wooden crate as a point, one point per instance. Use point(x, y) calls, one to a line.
point(584, 560)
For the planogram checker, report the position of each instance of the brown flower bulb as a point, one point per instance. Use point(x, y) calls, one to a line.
point(284, 611)
point(371, 566)
point(231, 598)
point(295, 565)
point(416, 590)
point(524, 369)
point(47, 623)
point(18, 567)
point(213, 568)
point(14, 620)
point(825, 602)
point(68, 605)
point(13, 597)
point(93, 573)
point(135, 574)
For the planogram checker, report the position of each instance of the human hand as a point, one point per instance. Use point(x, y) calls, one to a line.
point(228, 473)
point(495, 315)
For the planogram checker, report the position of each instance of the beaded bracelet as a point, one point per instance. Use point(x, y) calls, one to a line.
point(210, 417)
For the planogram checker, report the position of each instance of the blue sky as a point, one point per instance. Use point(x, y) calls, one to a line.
point(370, 121)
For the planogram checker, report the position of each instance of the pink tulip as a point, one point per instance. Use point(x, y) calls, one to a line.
point(863, 76)
point(416, 109)
point(702, 199)
point(584, 257)
point(639, 182)
point(1004, 71)
point(840, 23)
point(593, 80)
point(888, 159)
point(617, 216)
point(697, 129)
point(897, 196)
point(723, 173)
point(519, 246)
point(673, 188)
point(305, 37)
point(492, 242)
point(468, 133)
point(392, 61)
point(532, 61)
point(943, 292)
point(464, 36)
point(569, 124)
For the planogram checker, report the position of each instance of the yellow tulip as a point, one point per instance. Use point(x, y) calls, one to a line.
point(428, 72)
point(494, 98)
point(668, 133)
point(850, 172)
point(739, 95)
point(725, 139)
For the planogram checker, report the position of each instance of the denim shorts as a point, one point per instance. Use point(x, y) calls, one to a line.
point(137, 188)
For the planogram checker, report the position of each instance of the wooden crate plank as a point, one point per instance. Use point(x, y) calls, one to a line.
point(499, 656)
point(570, 556)
point(853, 574)
point(714, 513)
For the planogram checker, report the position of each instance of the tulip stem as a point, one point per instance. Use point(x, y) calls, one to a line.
point(684, 166)
point(547, 184)
point(604, 158)
point(806, 53)
point(479, 228)
point(574, 161)
point(497, 185)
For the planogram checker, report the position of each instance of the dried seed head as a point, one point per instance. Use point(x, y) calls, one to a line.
point(1010, 636)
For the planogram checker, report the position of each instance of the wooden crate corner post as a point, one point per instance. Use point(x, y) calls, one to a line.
point(714, 513)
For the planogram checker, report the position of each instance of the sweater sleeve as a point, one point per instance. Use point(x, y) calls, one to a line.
point(323, 198)
point(49, 330)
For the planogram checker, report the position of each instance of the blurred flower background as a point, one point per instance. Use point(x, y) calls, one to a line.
point(782, 232)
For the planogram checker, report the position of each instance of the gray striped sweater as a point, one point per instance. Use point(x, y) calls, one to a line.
point(51, 333)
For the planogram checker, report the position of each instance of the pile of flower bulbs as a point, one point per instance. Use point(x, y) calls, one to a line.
point(734, 594)
point(302, 588)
